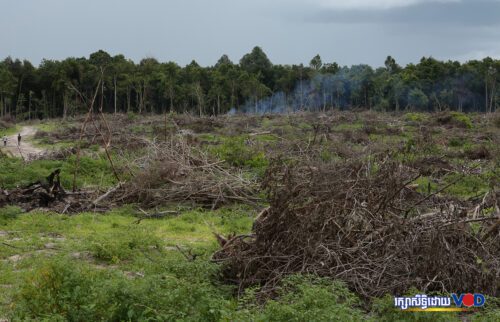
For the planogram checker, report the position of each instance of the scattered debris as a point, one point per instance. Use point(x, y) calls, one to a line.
point(49, 194)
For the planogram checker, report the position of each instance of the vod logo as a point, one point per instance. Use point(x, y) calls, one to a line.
point(468, 300)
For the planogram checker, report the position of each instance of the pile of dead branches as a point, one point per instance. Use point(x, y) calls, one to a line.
point(175, 172)
point(367, 225)
point(48, 194)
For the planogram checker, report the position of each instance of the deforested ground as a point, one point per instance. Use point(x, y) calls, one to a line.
point(302, 216)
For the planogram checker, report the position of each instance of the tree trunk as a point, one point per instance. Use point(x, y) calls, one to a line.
point(19, 93)
point(138, 100)
point(29, 106)
point(171, 99)
point(324, 101)
point(486, 93)
point(301, 92)
point(114, 82)
point(128, 98)
point(492, 94)
point(65, 105)
point(218, 104)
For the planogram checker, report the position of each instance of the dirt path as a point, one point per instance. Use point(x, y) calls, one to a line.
point(26, 149)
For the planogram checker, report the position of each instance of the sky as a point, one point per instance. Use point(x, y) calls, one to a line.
point(289, 31)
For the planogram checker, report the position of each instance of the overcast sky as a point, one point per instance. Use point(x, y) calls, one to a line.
point(289, 31)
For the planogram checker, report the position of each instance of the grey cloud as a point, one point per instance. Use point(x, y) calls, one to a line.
point(463, 13)
point(290, 31)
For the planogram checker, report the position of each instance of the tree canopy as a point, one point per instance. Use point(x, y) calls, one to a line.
point(58, 88)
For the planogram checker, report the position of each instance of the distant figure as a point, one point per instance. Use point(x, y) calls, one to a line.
point(4, 139)
point(19, 139)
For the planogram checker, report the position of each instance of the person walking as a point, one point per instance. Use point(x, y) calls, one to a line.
point(19, 139)
point(4, 139)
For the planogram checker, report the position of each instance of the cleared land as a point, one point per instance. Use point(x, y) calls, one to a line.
point(275, 217)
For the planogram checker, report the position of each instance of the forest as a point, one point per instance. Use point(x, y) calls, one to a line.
point(253, 85)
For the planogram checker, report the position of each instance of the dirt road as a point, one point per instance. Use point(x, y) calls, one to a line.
point(26, 149)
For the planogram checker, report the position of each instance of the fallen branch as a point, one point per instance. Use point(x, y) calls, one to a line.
point(107, 194)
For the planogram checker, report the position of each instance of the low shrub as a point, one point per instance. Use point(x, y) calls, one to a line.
point(455, 118)
point(304, 298)
point(415, 117)
point(236, 152)
point(116, 247)
point(9, 213)
point(70, 291)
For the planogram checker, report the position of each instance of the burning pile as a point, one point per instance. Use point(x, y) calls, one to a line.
point(369, 227)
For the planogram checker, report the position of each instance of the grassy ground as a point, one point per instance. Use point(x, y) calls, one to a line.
point(111, 267)
point(108, 267)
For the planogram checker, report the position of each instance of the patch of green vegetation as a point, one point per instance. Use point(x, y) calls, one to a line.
point(9, 213)
point(237, 153)
point(415, 117)
point(49, 126)
point(266, 123)
point(265, 138)
point(305, 126)
point(348, 126)
point(466, 186)
point(303, 298)
point(426, 185)
point(209, 137)
point(9, 131)
point(131, 116)
point(14, 172)
point(62, 289)
point(139, 129)
point(326, 156)
point(457, 141)
point(48, 144)
point(115, 246)
point(462, 119)
point(124, 259)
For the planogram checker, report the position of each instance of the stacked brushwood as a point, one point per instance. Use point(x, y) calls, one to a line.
point(175, 172)
point(366, 225)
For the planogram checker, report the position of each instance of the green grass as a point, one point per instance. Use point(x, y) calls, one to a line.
point(348, 126)
point(48, 144)
point(461, 118)
point(416, 117)
point(115, 248)
point(92, 172)
point(9, 131)
point(237, 152)
point(107, 267)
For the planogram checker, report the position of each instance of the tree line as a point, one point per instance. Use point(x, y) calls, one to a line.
point(254, 84)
